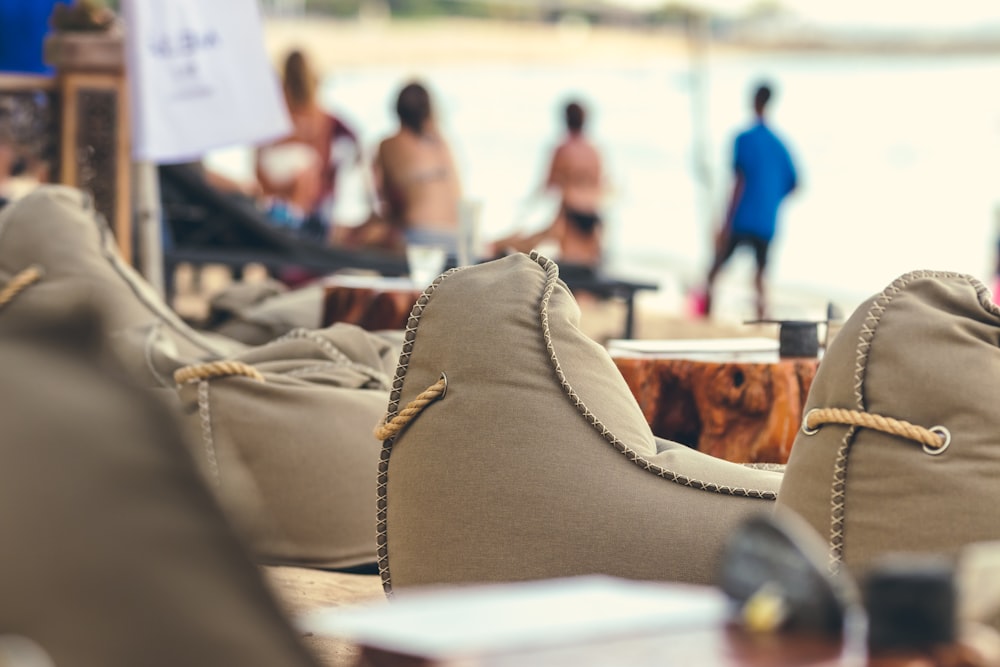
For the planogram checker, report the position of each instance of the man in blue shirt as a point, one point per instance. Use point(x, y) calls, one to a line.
point(764, 175)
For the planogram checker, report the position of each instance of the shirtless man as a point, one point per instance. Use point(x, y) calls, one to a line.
point(576, 172)
point(416, 179)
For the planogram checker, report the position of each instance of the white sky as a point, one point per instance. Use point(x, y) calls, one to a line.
point(902, 13)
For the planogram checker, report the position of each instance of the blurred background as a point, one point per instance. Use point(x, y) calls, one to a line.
point(889, 108)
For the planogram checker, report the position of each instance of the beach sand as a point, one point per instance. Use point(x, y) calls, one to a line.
point(333, 44)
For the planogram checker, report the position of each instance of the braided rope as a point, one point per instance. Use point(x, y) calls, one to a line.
point(932, 438)
point(19, 283)
point(386, 430)
point(216, 369)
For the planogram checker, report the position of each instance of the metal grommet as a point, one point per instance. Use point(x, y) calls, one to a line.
point(445, 390)
point(805, 423)
point(944, 433)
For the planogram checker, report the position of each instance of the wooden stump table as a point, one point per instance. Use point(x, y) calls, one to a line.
point(731, 398)
point(373, 303)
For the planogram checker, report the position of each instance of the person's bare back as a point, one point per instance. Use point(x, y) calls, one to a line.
point(418, 181)
point(576, 173)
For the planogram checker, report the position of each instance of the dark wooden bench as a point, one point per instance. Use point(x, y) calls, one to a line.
point(203, 225)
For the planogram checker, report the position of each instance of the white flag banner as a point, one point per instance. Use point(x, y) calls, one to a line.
point(199, 77)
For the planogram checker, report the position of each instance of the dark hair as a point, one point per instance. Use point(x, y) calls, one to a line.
point(298, 80)
point(761, 96)
point(575, 116)
point(413, 106)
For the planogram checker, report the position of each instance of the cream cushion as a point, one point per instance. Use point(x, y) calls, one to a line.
point(114, 552)
point(291, 457)
point(926, 350)
point(283, 434)
point(537, 461)
point(256, 321)
point(57, 228)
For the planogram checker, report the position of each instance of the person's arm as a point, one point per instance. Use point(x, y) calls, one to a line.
point(554, 178)
point(739, 183)
point(266, 185)
point(226, 184)
point(793, 176)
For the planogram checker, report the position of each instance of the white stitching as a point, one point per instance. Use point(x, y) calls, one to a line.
point(331, 351)
point(205, 415)
point(552, 273)
point(148, 353)
point(381, 480)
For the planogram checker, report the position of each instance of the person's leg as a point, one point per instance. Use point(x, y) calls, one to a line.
point(761, 247)
point(722, 254)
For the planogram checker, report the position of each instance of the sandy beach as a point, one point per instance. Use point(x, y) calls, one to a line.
point(335, 43)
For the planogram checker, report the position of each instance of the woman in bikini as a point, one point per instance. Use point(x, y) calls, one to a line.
point(297, 174)
point(416, 180)
point(576, 172)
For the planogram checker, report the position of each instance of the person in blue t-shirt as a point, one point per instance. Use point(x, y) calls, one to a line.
point(764, 174)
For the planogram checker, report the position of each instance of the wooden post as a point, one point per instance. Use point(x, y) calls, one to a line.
point(95, 151)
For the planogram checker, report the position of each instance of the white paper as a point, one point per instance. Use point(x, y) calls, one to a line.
point(495, 618)
point(199, 78)
point(705, 349)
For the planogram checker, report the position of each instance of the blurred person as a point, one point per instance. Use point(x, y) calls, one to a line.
point(764, 174)
point(416, 181)
point(576, 173)
point(298, 173)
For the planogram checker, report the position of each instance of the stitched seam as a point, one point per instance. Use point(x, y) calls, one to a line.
point(316, 368)
point(336, 355)
point(148, 353)
point(165, 316)
point(838, 487)
point(205, 416)
point(396, 390)
point(552, 277)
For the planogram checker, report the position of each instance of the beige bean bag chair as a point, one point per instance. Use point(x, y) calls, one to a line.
point(282, 430)
point(900, 449)
point(283, 434)
point(537, 462)
point(257, 313)
point(57, 229)
point(114, 552)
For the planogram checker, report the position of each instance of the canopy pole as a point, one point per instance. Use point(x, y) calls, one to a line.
point(149, 229)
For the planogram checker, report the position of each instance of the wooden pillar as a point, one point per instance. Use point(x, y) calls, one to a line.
point(95, 149)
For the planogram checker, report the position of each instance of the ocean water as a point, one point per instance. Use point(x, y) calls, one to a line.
point(899, 161)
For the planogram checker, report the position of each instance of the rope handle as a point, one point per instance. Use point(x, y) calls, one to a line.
point(386, 430)
point(21, 281)
point(216, 369)
point(935, 439)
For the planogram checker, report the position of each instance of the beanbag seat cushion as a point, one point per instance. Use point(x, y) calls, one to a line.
point(288, 450)
point(115, 553)
point(900, 447)
point(536, 461)
point(256, 313)
point(57, 228)
point(282, 433)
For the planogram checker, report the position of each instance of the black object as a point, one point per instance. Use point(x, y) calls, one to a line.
point(796, 338)
point(911, 603)
point(203, 225)
point(800, 338)
point(778, 555)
